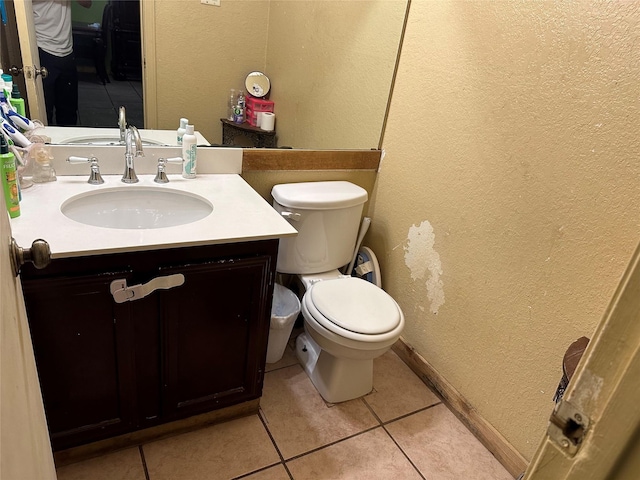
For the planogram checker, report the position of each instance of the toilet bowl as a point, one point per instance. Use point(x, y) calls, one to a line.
point(348, 322)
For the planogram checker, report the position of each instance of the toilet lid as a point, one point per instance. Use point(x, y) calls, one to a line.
point(356, 305)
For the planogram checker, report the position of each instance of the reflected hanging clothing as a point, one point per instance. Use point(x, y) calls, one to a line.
point(52, 21)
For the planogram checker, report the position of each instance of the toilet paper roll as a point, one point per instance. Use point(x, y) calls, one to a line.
point(259, 119)
point(268, 121)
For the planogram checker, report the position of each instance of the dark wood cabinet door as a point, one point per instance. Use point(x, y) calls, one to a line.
point(106, 368)
point(82, 352)
point(214, 335)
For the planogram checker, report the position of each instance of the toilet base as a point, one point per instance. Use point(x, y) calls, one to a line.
point(336, 379)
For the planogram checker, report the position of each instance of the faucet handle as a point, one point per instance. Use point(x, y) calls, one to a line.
point(94, 178)
point(161, 176)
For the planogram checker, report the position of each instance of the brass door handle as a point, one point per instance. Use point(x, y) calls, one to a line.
point(33, 72)
point(39, 254)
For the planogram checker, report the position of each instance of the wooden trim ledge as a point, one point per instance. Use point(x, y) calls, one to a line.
point(282, 159)
point(504, 452)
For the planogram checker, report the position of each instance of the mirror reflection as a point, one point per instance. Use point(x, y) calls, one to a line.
point(331, 65)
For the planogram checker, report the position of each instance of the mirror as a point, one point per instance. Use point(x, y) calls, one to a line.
point(331, 65)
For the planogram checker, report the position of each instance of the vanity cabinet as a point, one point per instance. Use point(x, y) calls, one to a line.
point(110, 368)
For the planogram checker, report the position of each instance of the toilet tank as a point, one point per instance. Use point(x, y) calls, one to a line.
point(327, 217)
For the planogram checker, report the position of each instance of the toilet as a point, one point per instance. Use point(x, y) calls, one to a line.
point(347, 321)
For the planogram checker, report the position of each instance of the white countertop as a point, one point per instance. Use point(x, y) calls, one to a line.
point(239, 214)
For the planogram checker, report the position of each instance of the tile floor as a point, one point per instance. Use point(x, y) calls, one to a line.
point(400, 431)
point(98, 104)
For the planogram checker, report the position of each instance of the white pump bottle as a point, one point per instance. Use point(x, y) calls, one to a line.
point(189, 151)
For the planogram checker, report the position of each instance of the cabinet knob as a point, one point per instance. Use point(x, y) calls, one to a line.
point(39, 254)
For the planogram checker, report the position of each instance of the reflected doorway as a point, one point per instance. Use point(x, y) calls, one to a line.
point(107, 46)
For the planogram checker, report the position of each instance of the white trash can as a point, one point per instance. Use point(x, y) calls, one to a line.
point(284, 311)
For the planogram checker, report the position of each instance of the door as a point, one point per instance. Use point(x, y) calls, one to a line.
point(26, 451)
point(23, 53)
point(603, 396)
point(215, 329)
point(84, 356)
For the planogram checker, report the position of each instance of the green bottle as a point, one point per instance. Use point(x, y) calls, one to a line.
point(9, 179)
point(17, 101)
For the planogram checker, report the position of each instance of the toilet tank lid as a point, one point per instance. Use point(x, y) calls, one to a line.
point(319, 195)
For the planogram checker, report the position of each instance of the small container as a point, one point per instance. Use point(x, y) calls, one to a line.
point(9, 179)
point(255, 106)
point(238, 114)
point(231, 105)
point(8, 85)
point(17, 101)
point(182, 129)
point(42, 170)
point(284, 311)
point(189, 153)
point(241, 100)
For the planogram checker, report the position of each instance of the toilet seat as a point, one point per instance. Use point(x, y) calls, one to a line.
point(353, 308)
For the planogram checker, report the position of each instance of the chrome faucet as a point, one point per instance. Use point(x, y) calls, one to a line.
point(132, 140)
point(122, 123)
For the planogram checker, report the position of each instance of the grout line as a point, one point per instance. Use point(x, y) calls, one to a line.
point(280, 368)
point(144, 463)
point(245, 475)
point(375, 415)
point(384, 427)
point(412, 413)
point(262, 418)
point(333, 443)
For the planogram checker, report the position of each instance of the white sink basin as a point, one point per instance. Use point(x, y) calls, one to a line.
point(133, 207)
point(103, 140)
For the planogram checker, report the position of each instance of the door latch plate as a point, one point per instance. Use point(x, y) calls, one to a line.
point(567, 427)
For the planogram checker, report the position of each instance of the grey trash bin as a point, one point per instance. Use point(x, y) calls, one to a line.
point(284, 311)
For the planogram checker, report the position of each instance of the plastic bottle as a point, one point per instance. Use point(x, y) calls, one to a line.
point(17, 101)
point(232, 105)
point(181, 129)
point(8, 85)
point(9, 179)
point(238, 112)
point(241, 100)
point(189, 153)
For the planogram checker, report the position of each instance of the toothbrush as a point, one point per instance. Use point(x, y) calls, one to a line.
point(14, 117)
point(20, 121)
point(14, 134)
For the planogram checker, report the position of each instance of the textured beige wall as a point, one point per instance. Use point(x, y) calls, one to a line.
point(524, 162)
point(332, 64)
point(202, 52)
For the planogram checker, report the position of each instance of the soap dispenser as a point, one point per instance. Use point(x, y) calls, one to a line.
point(181, 129)
point(189, 151)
